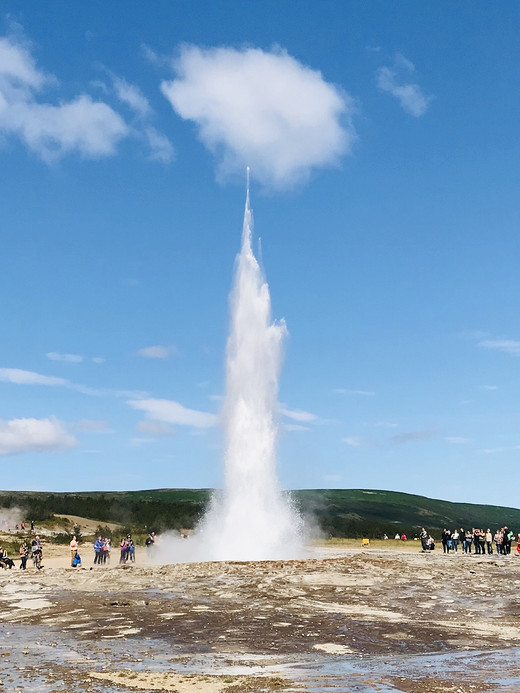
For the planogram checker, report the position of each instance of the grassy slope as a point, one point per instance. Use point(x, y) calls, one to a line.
point(345, 512)
point(341, 512)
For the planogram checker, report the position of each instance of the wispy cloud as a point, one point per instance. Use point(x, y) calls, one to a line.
point(161, 149)
point(18, 376)
point(154, 428)
point(296, 427)
point(361, 393)
point(156, 352)
point(22, 377)
point(138, 442)
point(395, 80)
point(132, 96)
point(34, 435)
point(507, 346)
point(254, 107)
point(495, 451)
point(67, 358)
point(298, 415)
point(72, 358)
point(359, 442)
point(168, 411)
point(457, 440)
point(82, 125)
point(90, 128)
point(412, 436)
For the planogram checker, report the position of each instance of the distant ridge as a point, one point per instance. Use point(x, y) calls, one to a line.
point(339, 512)
point(371, 512)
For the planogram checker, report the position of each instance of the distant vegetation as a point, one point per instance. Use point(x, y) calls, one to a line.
point(362, 513)
point(339, 513)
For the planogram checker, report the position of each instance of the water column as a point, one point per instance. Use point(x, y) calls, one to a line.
point(251, 519)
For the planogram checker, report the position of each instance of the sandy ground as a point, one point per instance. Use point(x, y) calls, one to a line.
point(345, 619)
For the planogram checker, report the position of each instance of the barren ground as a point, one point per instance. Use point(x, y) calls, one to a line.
point(344, 620)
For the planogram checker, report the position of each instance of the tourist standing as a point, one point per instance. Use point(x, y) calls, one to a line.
point(445, 536)
point(98, 551)
point(482, 541)
point(469, 540)
point(489, 541)
point(498, 541)
point(73, 545)
point(24, 555)
point(455, 540)
point(476, 537)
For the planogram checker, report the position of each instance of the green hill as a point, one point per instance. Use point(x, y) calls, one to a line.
point(339, 513)
point(362, 512)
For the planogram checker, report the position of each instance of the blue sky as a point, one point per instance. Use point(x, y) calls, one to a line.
point(383, 145)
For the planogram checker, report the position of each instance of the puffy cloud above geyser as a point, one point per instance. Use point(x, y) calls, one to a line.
point(24, 435)
point(89, 127)
point(261, 109)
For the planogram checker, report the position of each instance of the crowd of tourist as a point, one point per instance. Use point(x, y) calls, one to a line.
point(102, 548)
point(475, 540)
point(35, 551)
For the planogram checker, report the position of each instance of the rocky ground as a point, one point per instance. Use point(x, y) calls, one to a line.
point(360, 621)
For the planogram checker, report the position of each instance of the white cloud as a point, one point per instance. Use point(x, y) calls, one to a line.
point(132, 96)
point(508, 346)
point(261, 109)
point(153, 57)
point(298, 415)
point(29, 435)
point(156, 352)
point(354, 441)
point(457, 440)
point(361, 393)
point(167, 411)
point(495, 451)
point(394, 80)
point(296, 427)
point(21, 377)
point(154, 428)
point(89, 127)
point(68, 358)
point(161, 149)
point(137, 442)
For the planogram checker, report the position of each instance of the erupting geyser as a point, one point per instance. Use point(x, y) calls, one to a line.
point(251, 519)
